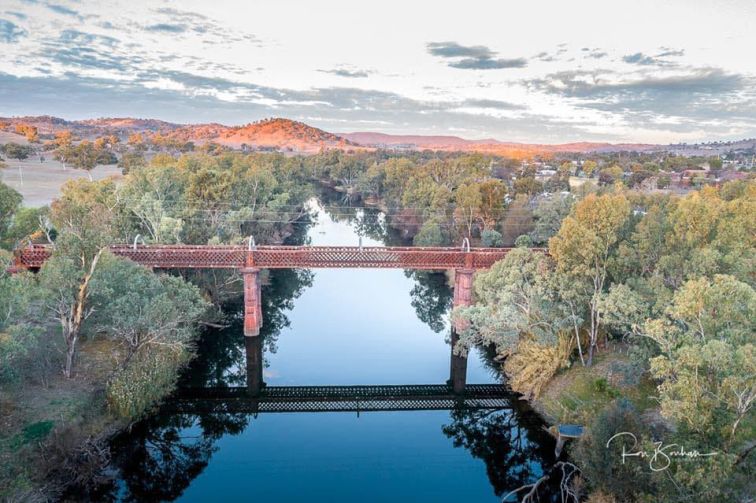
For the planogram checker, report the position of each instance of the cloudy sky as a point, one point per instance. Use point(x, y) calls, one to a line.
point(535, 71)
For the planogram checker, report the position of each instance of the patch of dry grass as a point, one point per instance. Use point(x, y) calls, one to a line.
point(578, 393)
point(44, 427)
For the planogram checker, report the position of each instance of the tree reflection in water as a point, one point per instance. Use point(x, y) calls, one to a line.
point(512, 443)
point(159, 457)
point(221, 360)
point(431, 298)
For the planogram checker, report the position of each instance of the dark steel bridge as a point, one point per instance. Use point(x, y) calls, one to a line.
point(366, 398)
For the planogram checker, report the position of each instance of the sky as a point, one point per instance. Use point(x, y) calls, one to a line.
point(652, 71)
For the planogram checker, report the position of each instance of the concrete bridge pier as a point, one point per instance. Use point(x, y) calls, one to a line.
point(253, 349)
point(252, 301)
point(463, 281)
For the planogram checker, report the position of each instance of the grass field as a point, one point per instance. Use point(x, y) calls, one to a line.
point(40, 182)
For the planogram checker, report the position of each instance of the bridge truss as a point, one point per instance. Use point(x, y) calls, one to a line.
point(277, 399)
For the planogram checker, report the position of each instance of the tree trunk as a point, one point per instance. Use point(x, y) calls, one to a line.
point(70, 355)
point(72, 325)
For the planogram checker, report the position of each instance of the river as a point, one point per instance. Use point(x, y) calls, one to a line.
point(335, 327)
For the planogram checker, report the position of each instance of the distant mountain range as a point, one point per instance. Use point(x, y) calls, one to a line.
point(292, 136)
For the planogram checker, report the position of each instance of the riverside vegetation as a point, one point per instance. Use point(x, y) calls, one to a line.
point(92, 341)
point(640, 318)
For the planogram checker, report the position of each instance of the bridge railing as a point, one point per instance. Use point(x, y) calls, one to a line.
point(279, 257)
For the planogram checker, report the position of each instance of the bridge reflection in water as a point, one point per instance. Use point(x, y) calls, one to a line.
point(256, 397)
point(363, 398)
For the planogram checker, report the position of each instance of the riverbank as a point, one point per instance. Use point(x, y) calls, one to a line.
point(54, 430)
point(577, 394)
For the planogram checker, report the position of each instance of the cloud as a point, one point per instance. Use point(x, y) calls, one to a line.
point(711, 81)
point(79, 37)
point(167, 28)
point(642, 59)
point(473, 57)
point(61, 9)
point(497, 104)
point(455, 50)
point(175, 21)
point(597, 54)
point(17, 15)
point(10, 32)
point(686, 98)
point(667, 52)
point(639, 59)
point(488, 64)
point(343, 72)
point(332, 108)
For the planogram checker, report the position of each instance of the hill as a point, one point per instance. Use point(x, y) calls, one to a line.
point(455, 143)
point(285, 135)
point(269, 134)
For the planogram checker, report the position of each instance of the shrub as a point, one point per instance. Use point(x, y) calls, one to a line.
point(491, 238)
point(148, 377)
point(603, 466)
point(430, 234)
point(523, 241)
point(533, 364)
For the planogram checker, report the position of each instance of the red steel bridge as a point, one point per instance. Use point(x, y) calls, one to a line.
point(248, 260)
point(287, 257)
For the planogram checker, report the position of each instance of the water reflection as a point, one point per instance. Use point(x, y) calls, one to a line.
point(395, 337)
point(161, 456)
point(510, 442)
point(221, 360)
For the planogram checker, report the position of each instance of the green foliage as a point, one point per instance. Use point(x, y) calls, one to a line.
point(492, 239)
point(149, 377)
point(584, 247)
point(549, 213)
point(141, 310)
point(518, 310)
point(38, 430)
point(10, 200)
point(153, 318)
point(20, 332)
point(523, 241)
point(430, 234)
point(601, 385)
point(17, 151)
point(603, 465)
point(708, 363)
point(663, 182)
point(28, 223)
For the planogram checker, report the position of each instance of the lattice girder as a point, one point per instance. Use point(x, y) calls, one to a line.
point(287, 257)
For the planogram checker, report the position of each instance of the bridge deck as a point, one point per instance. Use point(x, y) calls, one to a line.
point(338, 399)
point(286, 257)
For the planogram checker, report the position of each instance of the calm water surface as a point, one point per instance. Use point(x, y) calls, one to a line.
point(337, 327)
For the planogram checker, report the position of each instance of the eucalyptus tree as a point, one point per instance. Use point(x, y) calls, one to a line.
point(584, 246)
point(87, 219)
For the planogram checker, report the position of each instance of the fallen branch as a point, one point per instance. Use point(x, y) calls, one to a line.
point(212, 325)
point(567, 493)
